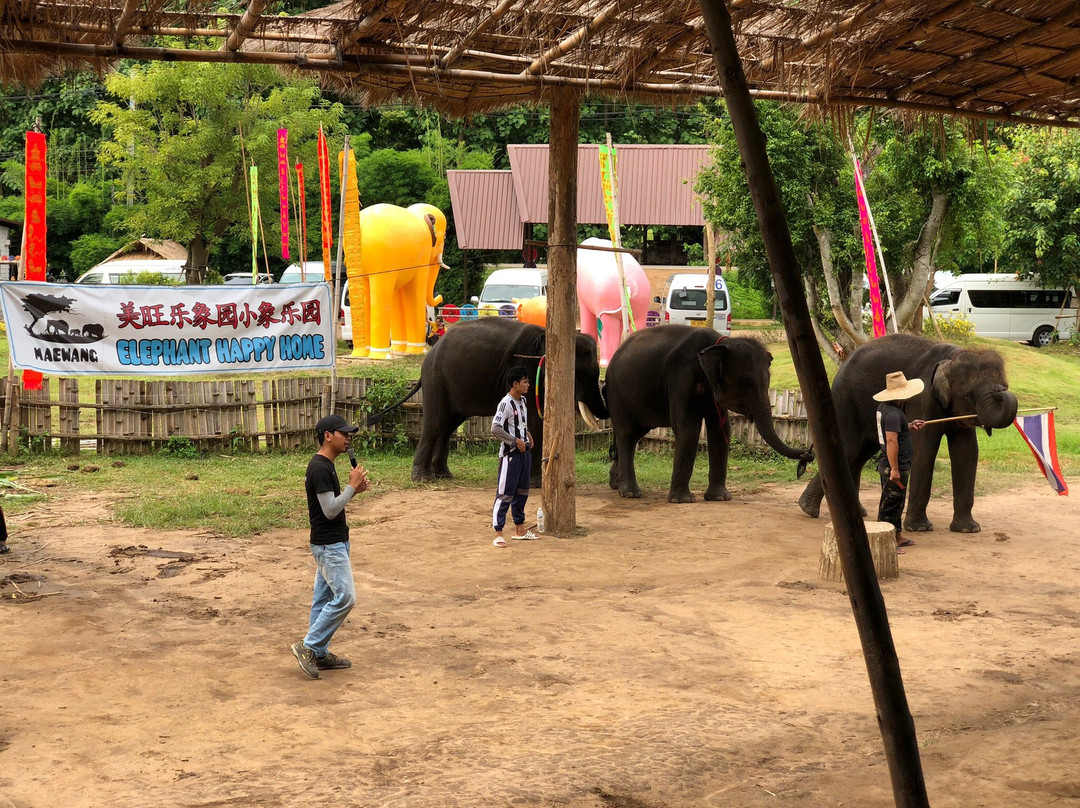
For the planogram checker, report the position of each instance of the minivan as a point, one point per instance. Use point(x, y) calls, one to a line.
point(312, 272)
point(505, 285)
point(999, 305)
point(684, 300)
point(172, 269)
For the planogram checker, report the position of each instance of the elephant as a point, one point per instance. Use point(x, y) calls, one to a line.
point(390, 253)
point(957, 381)
point(679, 376)
point(56, 327)
point(464, 374)
point(93, 330)
point(599, 296)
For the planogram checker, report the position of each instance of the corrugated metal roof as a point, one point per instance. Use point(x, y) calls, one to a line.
point(486, 214)
point(656, 187)
point(656, 183)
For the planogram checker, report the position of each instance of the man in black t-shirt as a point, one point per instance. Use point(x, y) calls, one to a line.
point(894, 462)
point(335, 591)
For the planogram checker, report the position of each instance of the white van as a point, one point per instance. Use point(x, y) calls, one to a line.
point(999, 305)
point(504, 285)
point(684, 301)
point(172, 269)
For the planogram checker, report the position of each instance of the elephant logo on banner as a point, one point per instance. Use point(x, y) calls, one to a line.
point(46, 326)
point(392, 260)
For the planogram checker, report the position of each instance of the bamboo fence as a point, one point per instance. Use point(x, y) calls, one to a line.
point(132, 416)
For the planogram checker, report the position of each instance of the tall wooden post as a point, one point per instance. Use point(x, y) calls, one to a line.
point(560, 484)
point(893, 714)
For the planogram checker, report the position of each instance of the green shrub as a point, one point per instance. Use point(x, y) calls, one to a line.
point(179, 446)
point(953, 329)
point(149, 279)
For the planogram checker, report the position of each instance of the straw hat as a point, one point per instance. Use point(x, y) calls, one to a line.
point(898, 387)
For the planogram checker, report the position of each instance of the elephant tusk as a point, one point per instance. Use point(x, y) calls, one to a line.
point(590, 420)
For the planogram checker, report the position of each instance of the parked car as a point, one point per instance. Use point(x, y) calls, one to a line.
point(503, 286)
point(684, 300)
point(124, 270)
point(242, 279)
point(999, 305)
point(313, 272)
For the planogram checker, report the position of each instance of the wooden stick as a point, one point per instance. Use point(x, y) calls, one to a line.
point(962, 417)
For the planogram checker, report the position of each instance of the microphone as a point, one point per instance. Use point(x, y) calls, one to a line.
point(352, 456)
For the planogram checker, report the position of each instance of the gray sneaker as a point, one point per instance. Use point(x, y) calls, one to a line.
point(331, 662)
point(306, 659)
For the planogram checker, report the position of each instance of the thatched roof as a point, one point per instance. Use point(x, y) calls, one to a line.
point(151, 248)
point(979, 58)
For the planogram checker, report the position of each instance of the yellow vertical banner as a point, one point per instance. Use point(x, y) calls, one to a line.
point(609, 186)
point(358, 285)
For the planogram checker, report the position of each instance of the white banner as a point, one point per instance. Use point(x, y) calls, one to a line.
point(83, 329)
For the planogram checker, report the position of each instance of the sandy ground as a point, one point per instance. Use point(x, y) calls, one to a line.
point(674, 655)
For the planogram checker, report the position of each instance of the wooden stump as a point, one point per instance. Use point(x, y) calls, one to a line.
point(882, 537)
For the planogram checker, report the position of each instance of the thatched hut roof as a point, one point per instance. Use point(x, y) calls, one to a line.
point(979, 58)
point(150, 248)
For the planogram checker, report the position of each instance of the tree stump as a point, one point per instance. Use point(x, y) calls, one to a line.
point(882, 537)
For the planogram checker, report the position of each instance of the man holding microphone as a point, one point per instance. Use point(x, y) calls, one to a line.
point(335, 591)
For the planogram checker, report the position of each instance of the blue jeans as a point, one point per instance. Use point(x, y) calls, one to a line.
point(335, 594)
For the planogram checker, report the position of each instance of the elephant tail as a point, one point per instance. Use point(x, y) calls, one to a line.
point(375, 417)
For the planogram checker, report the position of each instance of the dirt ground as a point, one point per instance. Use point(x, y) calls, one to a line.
point(674, 655)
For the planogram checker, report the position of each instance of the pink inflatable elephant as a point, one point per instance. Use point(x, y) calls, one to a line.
point(598, 295)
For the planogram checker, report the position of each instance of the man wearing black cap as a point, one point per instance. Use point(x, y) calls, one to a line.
point(335, 592)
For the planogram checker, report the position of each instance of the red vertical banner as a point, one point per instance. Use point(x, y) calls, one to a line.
point(301, 206)
point(34, 225)
point(283, 188)
point(877, 310)
point(324, 202)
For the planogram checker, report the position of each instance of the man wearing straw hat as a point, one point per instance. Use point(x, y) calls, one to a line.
point(894, 463)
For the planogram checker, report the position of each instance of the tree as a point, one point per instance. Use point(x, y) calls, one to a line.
point(936, 197)
point(175, 136)
point(1044, 210)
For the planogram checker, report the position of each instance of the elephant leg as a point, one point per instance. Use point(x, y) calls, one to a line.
point(964, 460)
point(382, 302)
point(718, 438)
point(587, 319)
point(610, 337)
point(687, 431)
point(810, 501)
point(439, 466)
point(414, 316)
point(434, 432)
point(397, 323)
point(924, 453)
point(626, 441)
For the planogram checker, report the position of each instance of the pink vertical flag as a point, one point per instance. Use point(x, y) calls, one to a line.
point(876, 308)
point(283, 187)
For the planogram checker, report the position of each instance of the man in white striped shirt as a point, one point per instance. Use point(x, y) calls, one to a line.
point(510, 425)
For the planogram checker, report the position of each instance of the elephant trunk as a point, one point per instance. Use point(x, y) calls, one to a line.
point(996, 409)
point(764, 422)
point(593, 399)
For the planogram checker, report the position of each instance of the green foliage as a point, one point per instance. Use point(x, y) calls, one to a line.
point(91, 249)
point(389, 381)
point(1044, 212)
point(180, 447)
point(149, 278)
point(747, 302)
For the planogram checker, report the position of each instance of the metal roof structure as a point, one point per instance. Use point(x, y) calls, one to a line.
point(997, 59)
point(656, 187)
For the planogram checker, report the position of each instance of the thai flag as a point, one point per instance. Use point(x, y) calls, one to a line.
point(1038, 431)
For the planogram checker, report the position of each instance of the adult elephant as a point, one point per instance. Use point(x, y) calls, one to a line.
point(679, 376)
point(957, 382)
point(464, 375)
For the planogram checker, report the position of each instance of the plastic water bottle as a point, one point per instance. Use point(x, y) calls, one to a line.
point(540, 519)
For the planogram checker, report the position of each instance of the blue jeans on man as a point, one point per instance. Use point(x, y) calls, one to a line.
point(334, 597)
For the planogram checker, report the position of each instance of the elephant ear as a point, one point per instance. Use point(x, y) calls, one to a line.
point(712, 362)
point(939, 383)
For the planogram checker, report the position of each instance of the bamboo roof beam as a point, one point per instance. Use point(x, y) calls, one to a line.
point(127, 15)
point(648, 61)
point(961, 65)
point(482, 26)
point(831, 32)
point(163, 30)
point(572, 41)
point(1062, 60)
point(367, 24)
point(246, 25)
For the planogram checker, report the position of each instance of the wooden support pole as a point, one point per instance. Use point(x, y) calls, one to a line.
point(560, 486)
point(894, 716)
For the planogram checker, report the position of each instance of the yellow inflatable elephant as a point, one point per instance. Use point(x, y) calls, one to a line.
point(392, 257)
